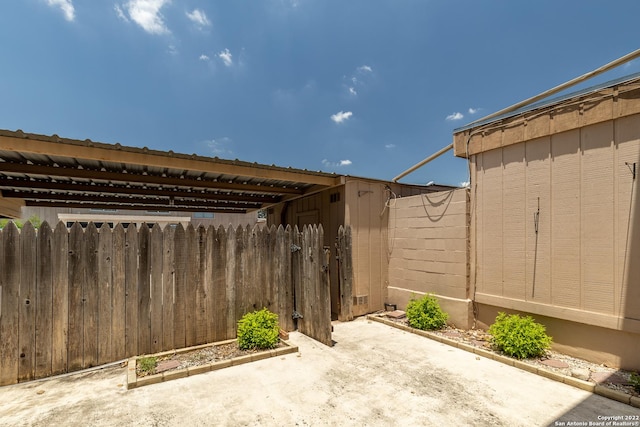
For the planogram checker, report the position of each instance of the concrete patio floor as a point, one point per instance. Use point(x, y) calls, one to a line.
point(375, 375)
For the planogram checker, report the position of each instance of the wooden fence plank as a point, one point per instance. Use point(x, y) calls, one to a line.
point(200, 287)
point(76, 272)
point(144, 291)
point(9, 302)
point(168, 276)
point(283, 279)
point(132, 301)
point(231, 288)
point(60, 256)
point(105, 294)
point(27, 303)
point(345, 274)
point(119, 313)
point(90, 297)
point(179, 306)
point(44, 302)
point(192, 264)
point(296, 275)
point(156, 285)
point(219, 283)
point(209, 278)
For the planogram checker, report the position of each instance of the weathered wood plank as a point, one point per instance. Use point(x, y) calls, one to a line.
point(168, 277)
point(156, 292)
point(44, 302)
point(119, 295)
point(297, 277)
point(144, 290)
point(345, 274)
point(90, 297)
point(200, 280)
point(9, 303)
point(27, 303)
point(179, 306)
point(209, 276)
point(191, 286)
point(105, 294)
point(77, 261)
point(231, 288)
point(60, 257)
point(132, 299)
point(219, 283)
point(285, 282)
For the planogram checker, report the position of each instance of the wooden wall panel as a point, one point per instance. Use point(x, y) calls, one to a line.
point(565, 220)
point(538, 216)
point(514, 220)
point(597, 219)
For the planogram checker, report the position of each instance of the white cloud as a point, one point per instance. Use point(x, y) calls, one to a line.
point(199, 18)
point(341, 163)
point(66, 6)
point(390, 146)
point(473, 110)
point(341, 116)
point(455, 116)
point(145, 13)
point(226, 57)
point(464, 184)
point(365, 69)
point(203, 57)
point(220, 146)
point(120, 13)
point(352, 91)
point(172, 50)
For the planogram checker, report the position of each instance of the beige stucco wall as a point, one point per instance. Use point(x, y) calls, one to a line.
point(555, 229)
point(428, 252)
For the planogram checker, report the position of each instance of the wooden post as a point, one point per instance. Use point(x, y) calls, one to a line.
point(44, 301)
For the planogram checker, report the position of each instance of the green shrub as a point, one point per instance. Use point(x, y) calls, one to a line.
point(635, 381)
point(425, 313)
point(519, 337)
point(147, 365)
point(258, 330)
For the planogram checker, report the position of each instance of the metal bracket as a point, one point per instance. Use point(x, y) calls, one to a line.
point(295, 248)
point(296, 315)
point(632, 168)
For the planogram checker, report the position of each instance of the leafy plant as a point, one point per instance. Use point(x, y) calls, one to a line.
point(425, 313)
point(258, 330)
point(33, 219)
point(519, 337)
point(147, 365)
point(634, 380)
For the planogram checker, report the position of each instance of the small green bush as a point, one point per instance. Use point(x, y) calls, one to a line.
point(425, 313)
point(519, 337)
point(258, 330)
point(635, 381)
point(147, 365)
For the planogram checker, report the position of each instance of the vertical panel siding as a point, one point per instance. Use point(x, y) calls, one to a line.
point(513, 200)
point(597, 217)
point(538, 172)
point(581, 256)
point(565, 223)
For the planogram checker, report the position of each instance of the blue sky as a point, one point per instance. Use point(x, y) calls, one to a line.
point(358, 87)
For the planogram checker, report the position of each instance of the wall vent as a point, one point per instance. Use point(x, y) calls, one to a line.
point(361, 300)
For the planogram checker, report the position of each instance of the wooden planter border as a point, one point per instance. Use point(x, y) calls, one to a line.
point(133, 381)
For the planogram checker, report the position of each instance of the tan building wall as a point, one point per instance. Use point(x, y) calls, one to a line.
point(362, 204)
point(428, 252)
point(555, 223)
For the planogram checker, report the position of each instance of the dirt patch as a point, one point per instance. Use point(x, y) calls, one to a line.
point(199, 357)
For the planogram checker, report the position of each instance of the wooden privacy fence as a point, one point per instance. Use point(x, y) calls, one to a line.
point(72, 299)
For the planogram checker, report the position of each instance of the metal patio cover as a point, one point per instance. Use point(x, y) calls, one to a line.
point(49, 171)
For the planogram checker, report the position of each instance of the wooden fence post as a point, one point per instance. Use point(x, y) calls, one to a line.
point(60, 324)
point(9, 313)
point(44, 301)
point(28, 303)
